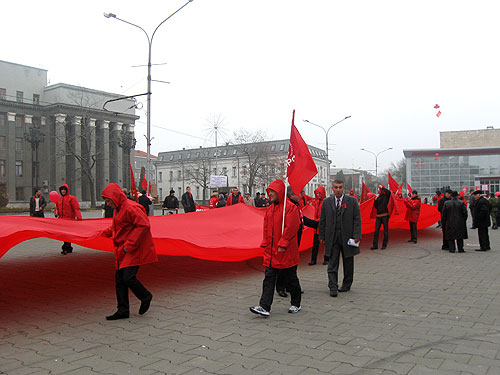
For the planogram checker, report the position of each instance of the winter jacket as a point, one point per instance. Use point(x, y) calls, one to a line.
point(481, 213)
point(272, 236)
point(67, 206)
point(234, 199)
point(441, 203)
point(145, 202)
point(250, 201)
point(171, 202)
point(317, 203)
point(494, 205)
point(412, 209)
point(384, 203)
point(304, 201)
point(188, 202)
point(130, 230)
point(212, 202)
point(41, 205)
point(454, 219)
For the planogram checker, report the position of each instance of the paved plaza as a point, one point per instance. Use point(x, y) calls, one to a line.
point(413, 309)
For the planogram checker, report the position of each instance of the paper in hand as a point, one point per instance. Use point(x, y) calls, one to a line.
point(351, 242)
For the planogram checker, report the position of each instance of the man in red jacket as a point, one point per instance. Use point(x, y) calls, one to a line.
point(281, 250)
point(304, 199)
point(67, 207)
point(412, 213)
point(234, 198)
point(134, 247)
point(320, 195)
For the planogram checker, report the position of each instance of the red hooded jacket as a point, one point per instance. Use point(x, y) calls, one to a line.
point(67, 206)
point(229, 201)
point(130, 229)
point(273, 238)
point(412, 209)
point(304, 201)
point(319, 194)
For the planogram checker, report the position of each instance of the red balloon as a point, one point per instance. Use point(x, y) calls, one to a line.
point(54, 196)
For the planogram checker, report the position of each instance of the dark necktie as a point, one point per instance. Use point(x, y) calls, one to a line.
point(338, 204)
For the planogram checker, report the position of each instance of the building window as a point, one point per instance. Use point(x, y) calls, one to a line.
point(224, 171)
point(234, 171)
point(19, 144)
point(197, 192)
point(160, 175)
point(179, 174)
point(225, 152)
point(19, 96)
point(282, 147)
point(19, 193)
point(19, 168)
point(3, 93)
point(3, 146)
point(215, 171)
point(273, 148)
point(36, 99)
point(235, 151)
point(3, 121)
point(161, 194)
point(171, 175)
point(188, 156)
point(197, 154)
point(2, 168)
point(19, 121)
point(180, 192)
point(171, 157)
point(180, 157)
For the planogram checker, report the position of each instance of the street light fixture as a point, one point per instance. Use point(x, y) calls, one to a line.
point(326, 137)
point(376, 157)
point(150, 43)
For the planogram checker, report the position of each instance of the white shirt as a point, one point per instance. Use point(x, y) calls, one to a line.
point(338, 200)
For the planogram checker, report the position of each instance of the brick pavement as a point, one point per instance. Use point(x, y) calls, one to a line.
point(413, 309)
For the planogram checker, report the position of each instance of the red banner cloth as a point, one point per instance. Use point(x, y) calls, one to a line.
point(364, 193)
point(203, 235)
point(393, 184)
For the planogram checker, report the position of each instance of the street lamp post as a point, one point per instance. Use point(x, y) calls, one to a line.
point(326, 137)
point(376, 158)
point(150, 43)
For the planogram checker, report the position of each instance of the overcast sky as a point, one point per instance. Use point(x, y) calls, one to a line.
point(385, 63)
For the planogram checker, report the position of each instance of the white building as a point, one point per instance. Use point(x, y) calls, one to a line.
point(250, 167)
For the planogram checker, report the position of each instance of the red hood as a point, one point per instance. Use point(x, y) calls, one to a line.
point(320, 192)
point(114, 192)
point(279, 187)
point(67, 188)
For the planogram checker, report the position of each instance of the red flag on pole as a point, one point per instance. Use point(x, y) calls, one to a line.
point(300, 164)
point(144, 182)
point(364, 193)
point(409, 188)
point(393, 184)
point(133, 186)
point(400, 189)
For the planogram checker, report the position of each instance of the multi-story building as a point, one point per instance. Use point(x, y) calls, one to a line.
point(251, 167)
point(141, 161)
point(51, 135)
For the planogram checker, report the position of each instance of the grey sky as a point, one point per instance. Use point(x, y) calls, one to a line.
point(386, 63)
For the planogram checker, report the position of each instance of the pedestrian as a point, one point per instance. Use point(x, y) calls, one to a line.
point(435, 201)
point(249, 200)
point(67, 207)
point(304, 199)
point(264, 201)
point(145, 202)
point(353, 194)
point(107, 210)
point(171, 203)
point(257, 200)
point(412, 213)
point(455, 220)
point(212, 202)
point(134, 247)
point(37, 204)
point(319, 196)
point(281, 251)
point(188, 201)
point(445, 198)
point(234, 198)
point(222, 201)
point(481, 219)
point(494, 204)
point(340, 231)
point(383, 207)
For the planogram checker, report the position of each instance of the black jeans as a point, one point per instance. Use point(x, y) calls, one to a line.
point(484, 239)
point(315, 250)
point(445, 241)
point(269, 283)
point(413, 230)
point(38, 214)
point(385, 221)
point(281, 282)
point(125, 278)
point(333, 268)
point(460, 245)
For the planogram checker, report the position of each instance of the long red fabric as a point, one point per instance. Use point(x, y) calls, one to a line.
point(225, 234)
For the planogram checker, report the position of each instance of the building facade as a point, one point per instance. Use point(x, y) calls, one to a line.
point(250, 167)
point(60, 134)
point(141, 161)
point(489, 137)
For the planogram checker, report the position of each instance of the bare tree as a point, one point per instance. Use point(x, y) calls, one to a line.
point(398, 171)
point(199, 173)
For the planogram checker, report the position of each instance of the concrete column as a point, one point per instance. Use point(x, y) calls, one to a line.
point(76, 188)
point(119, 153)
point(104, 152)
point(60, 150)
point(10, 168)
point(92, 152)
point(27, 160)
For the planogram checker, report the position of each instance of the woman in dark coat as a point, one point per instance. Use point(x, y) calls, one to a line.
point(454, 219)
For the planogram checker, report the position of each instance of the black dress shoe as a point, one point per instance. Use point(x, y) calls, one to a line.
point(312, 263)
point(344, 289)
point(373, 248)
point(333, 293)
point(461, 251)
point(117, 316)
point(145, 305)
point(452, 251)
point(282, 294)
point(481, 249)
point(383, 247)
point(325, 262)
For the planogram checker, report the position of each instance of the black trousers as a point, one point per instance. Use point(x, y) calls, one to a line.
point(484, 239)
point(445, 241)
point(413, 230)
point(460, 245)
point(126, 279)
point(378, 222)
point(38, 214)
point(333, 268)
point(269, 283)
point(281, 282)
point(315, 250)
point(67, 246)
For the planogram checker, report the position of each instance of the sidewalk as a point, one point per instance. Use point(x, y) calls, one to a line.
point(413, 309)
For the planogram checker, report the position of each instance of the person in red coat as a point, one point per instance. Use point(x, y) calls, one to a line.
point(412, 213)
point(304, 200)
point(320, 195)
point(67, 207)
point(281, 249)
point(134, 247)
point(234, 198)
point(212, 202)
point(353, 194)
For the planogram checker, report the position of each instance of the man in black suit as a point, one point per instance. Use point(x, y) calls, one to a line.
point(481, 220)
point(340, 230)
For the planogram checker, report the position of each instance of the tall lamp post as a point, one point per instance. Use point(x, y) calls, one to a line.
point(326, 137)
point(150, 43)
point(376, 158)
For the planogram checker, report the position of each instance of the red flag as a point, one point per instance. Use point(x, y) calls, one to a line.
point(393, 184)
point(438, 114)
point(144, 182)
point(300, 164)
point(408, 187)
point(436, 106)
point(400, 188)
point(364, 193)
point(133, 186)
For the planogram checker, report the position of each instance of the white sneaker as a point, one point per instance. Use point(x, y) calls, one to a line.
point(294, 309)
point(259, 310)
